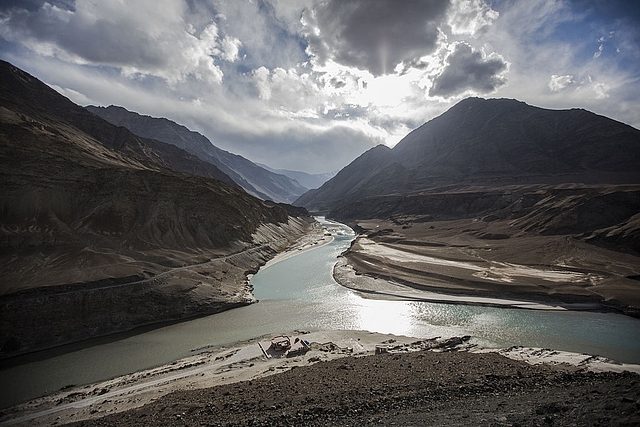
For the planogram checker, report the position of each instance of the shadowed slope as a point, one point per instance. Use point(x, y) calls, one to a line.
point(99, 226)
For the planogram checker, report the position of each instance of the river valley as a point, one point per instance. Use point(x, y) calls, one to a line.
point(299, 293)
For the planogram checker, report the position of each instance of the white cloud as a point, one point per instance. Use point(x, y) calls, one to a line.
point(558, 83)
point(601, 90)
point(146, 37)
point(598, 52)
point(287, 90)
point(468, 17)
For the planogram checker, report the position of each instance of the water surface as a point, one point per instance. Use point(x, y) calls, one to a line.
point(300, 293)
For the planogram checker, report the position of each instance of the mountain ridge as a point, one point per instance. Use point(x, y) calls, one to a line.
point(255, 179)
point(310, 181)
point(492, 142)
point(137, 230)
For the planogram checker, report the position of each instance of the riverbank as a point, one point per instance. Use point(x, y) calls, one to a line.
point(191, 285)
point(342, 380)
point(316, 237)
point(474, 262)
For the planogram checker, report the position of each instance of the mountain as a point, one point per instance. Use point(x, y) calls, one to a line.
point(547, 171)
point(308, 180)
point(104, 231)
point(351, 183)
point(490, 142)
point(254, 179)
point(495, 199)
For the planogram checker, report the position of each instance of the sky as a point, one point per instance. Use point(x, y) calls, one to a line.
point(310, 85)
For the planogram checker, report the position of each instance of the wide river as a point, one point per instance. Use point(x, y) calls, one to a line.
point(300, 293)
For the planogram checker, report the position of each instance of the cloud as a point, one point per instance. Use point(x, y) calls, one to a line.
point(288, 89)
point(269, 31)
point(558, 83)
point(373, 35)
point(469, 69)
point(147, 37)
point(310, 84)
point(310, 148)
point(598, 52)
point(469, 17)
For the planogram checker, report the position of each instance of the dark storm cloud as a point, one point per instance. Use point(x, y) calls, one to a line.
point(468, 69)
point(94, 41)
point(374, 35)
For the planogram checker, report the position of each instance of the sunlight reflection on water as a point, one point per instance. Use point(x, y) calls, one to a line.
point(308, 277)
point(300, 293)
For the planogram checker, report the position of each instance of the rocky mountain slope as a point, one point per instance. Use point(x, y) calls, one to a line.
point(103, 231)
point(493, 142)
point(255, 179)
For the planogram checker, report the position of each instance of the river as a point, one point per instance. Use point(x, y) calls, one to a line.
point(300, 293)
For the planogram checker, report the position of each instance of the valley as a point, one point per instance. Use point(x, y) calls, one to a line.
point(104, 231)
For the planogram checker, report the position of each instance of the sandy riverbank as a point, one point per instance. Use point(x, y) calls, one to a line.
point(136, 399)
point(473, 262)
point(318, 236)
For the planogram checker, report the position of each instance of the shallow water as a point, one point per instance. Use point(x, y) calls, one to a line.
point(300, 293)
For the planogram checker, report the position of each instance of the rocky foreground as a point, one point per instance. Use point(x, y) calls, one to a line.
point(421, 388)
point(354, 378)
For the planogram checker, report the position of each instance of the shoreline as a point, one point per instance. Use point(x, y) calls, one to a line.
point(383, 289)
point(246, 362)
point(315, 239)
point(451, 262)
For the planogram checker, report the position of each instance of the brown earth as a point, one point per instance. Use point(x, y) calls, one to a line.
point(421, 388)
point(489, 258)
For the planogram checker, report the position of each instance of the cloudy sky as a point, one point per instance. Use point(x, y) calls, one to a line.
point(311, 84)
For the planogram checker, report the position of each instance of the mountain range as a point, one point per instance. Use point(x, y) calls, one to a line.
point(255, 180)
point(104, 230)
